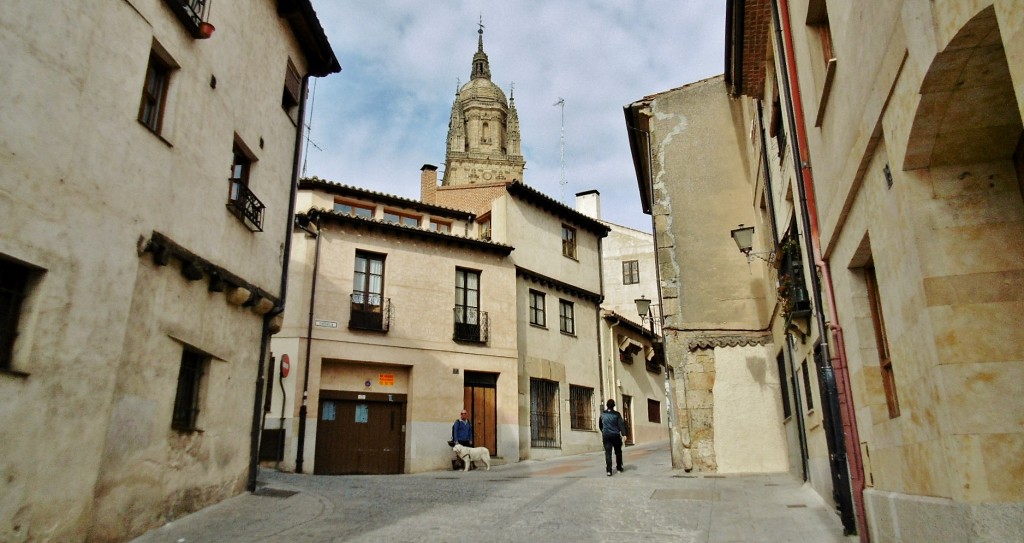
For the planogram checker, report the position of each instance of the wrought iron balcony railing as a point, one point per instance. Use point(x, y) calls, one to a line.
point(471, 324)
point(242, 203)
point(369, 311)
point(192, 14)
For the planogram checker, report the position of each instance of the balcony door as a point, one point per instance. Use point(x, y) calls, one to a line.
point(467, 305)
point(367, 291)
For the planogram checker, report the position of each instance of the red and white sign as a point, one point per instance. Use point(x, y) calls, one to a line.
point(286, 365)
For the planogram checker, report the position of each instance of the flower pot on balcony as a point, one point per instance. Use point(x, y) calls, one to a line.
point(206, 30)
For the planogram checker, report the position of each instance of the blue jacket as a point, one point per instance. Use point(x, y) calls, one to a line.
point(611, 423)
point(462, 430)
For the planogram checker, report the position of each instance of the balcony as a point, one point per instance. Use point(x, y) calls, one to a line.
point(470, 325)
point(192, 14)
point(244, 205)
point(369, 311)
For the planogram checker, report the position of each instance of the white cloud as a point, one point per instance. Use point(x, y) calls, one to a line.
point(386, 114)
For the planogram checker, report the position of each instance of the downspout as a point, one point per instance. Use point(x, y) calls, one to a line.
point(836, 378)
point(257, 410)
point(798, 415)
point(600, 354)
point(301, 446)
point(611, 391)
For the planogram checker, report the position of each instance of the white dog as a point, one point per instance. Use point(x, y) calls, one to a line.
point(472, 454)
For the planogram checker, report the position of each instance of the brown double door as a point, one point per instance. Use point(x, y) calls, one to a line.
point(360, 434)
point(480, 400)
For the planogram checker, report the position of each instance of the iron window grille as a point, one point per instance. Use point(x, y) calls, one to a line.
point(544, 427)
point(191, 13)
point(581, 407)
point(370, 312)
point(471, 325)
point(245, 206)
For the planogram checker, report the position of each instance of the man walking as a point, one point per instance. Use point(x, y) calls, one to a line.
point(613, 428)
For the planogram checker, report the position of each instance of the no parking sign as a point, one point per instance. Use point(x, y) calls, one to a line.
point(286, 365)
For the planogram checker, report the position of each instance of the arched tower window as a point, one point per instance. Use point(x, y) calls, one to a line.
point(485, 133)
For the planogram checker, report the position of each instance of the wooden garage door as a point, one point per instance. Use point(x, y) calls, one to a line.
point(360, 436)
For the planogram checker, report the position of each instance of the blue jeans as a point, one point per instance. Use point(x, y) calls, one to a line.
point(610, 442)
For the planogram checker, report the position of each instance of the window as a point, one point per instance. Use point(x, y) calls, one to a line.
point(367, 310)
point(354, 209)
point(440, 226)
point(469, 320)
point(187, 399)
point(402, 219)
point(154, 93)
point(543, 413)
point(581, 407)
point(566, 317)
point(537, 314)
point(807, 385)
point(882, 343)
point(292, 89)
point(777, 128)
point(630, 272)
point(787, 409)
point(14, 283)
point(654, 411)
point(568, 241)
point(817, 19)
point(241, 200)
point(485, 230)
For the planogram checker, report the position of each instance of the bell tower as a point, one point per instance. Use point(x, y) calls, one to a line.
point(483, 134)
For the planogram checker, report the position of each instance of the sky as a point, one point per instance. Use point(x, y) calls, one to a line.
point(385, 115)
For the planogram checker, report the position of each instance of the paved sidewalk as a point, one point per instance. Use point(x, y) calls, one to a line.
point(566, 499)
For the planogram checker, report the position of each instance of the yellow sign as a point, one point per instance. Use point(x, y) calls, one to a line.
point(387, 380)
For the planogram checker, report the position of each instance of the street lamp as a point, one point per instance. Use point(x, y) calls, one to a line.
point(643, 308)
point(744, 238)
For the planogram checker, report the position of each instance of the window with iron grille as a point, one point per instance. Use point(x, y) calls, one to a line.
point(544, 427)
point(468, 317)
point(566, 317)
point(14, 284)
point(654, 411)
point(537, 313)
point(367, 311)
point(187, 398)
point(581, 407)
point(568, 241)
point(630, 272)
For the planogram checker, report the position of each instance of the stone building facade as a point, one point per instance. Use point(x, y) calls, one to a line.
point(905, 139)
point(413, 319)
point(147, 164)
point(693, 177)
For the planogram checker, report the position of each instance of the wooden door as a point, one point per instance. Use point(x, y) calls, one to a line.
point(360, 437)
point(480, 400)
point(627, 415)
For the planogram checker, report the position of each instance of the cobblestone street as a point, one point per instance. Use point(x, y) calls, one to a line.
point(567, 499)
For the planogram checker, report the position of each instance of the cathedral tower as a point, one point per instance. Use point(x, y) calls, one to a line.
point(483, 134)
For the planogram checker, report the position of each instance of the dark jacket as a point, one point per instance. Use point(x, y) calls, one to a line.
point(611, 423)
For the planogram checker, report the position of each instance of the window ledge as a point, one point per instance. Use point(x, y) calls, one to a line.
point(157, 134)
point(826, 91)
point(541, 326)
point(15, 373)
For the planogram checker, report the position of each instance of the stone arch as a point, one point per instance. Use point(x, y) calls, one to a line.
point(968, 111)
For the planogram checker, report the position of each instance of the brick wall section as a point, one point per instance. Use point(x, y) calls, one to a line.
point(473, 198)
point(757, 17)
point(428, 184)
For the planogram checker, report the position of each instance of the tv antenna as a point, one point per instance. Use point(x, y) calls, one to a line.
point(307, 128)
point(561, 180)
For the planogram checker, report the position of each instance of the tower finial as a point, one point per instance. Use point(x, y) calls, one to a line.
point(512, 91)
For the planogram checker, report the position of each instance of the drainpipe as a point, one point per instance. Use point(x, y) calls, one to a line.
point(257, 410)
point(835, 377)
point(798, 413)
point(301, 446)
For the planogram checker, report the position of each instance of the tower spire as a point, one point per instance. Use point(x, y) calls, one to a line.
point(481, 67)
